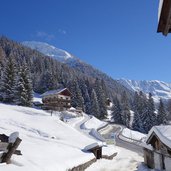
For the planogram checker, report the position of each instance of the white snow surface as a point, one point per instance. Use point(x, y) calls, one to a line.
point(49, 50)
point(37, 98)
point(94, 123)
point(48, 144)
point(125, 160)
point(159, 89)
point(13, 136)
point(135, 135)
point(163, 132)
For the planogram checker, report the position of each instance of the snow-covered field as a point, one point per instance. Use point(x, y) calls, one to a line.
point(48, 144)
point(125, 161)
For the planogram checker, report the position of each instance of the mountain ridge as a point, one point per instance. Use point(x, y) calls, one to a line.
point(159, 89)
point(77, 65)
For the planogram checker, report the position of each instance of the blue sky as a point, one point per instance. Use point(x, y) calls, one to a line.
point(116, 36)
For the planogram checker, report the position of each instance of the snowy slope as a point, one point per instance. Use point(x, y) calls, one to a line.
point(159, 89)
point(48, 144)
point(49, 50)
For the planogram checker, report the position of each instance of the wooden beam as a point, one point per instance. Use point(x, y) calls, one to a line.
point(164, 25)
point(11, 150)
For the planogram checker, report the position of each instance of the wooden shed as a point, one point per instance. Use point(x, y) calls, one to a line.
point(164, 17)
point(94, 148)
point(157, 152)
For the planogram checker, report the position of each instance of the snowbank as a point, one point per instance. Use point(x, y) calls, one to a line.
point(135, 135)
point(125, 160)
point(48, 144)
point(96, 135)
point(94, 123)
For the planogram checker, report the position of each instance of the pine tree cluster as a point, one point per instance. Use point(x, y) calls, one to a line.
point(15, 83)
point(49, 74)
point(146, 115)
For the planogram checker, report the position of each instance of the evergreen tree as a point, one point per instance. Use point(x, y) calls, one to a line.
point(116, 114)
point(125, 114)
point(7, 81)
point(169, 109)
point(101, 99)
point(46, 82)
point(139, 112)
point(87, 102)
point(23, 87)
point(77, 98)
point(94, 105)
point(161, 115)
point(151, 117)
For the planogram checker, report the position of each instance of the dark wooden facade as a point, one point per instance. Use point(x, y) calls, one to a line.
point(159, 157)
point(97, 151)
point(57, 100)
point(164, 25)
point(94, 148)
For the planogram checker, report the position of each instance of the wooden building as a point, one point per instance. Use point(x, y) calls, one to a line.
point(58, 100)
point(164, 17)
point(157, 151)
point(94, 148)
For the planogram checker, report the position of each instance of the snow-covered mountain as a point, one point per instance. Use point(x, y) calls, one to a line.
point(159, 89)
point(76, 64)
point(49, 50)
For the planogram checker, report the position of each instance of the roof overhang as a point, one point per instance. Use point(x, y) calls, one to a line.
point(164, 24)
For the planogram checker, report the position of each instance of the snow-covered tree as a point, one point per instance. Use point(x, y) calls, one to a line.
point(125, 113)
point(169, 109)
point(101, 99)
point(77, 98)
point(161, 115)
point(116, 114)
point(94, 104)
point(151, 116)
point(46, 82)
point(23, 87)
point(8, 81)
point(140, 112)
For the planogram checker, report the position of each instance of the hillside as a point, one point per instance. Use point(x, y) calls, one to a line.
point(47, 143)
point(48, 74)
point(75, 63)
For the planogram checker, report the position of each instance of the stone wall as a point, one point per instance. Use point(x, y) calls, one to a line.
point(82, 167)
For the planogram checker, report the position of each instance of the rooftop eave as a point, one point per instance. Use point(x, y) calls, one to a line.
point(164, 25)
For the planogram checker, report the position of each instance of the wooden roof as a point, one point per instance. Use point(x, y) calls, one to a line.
point(63, 91)
point(164, 25)
point(162, 133)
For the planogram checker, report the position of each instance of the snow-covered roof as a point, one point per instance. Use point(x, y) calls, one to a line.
point(72, 108)
point(163, 132)
point(93, 145)
point(147, 146)
point(51, 92)
point(160, 8)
